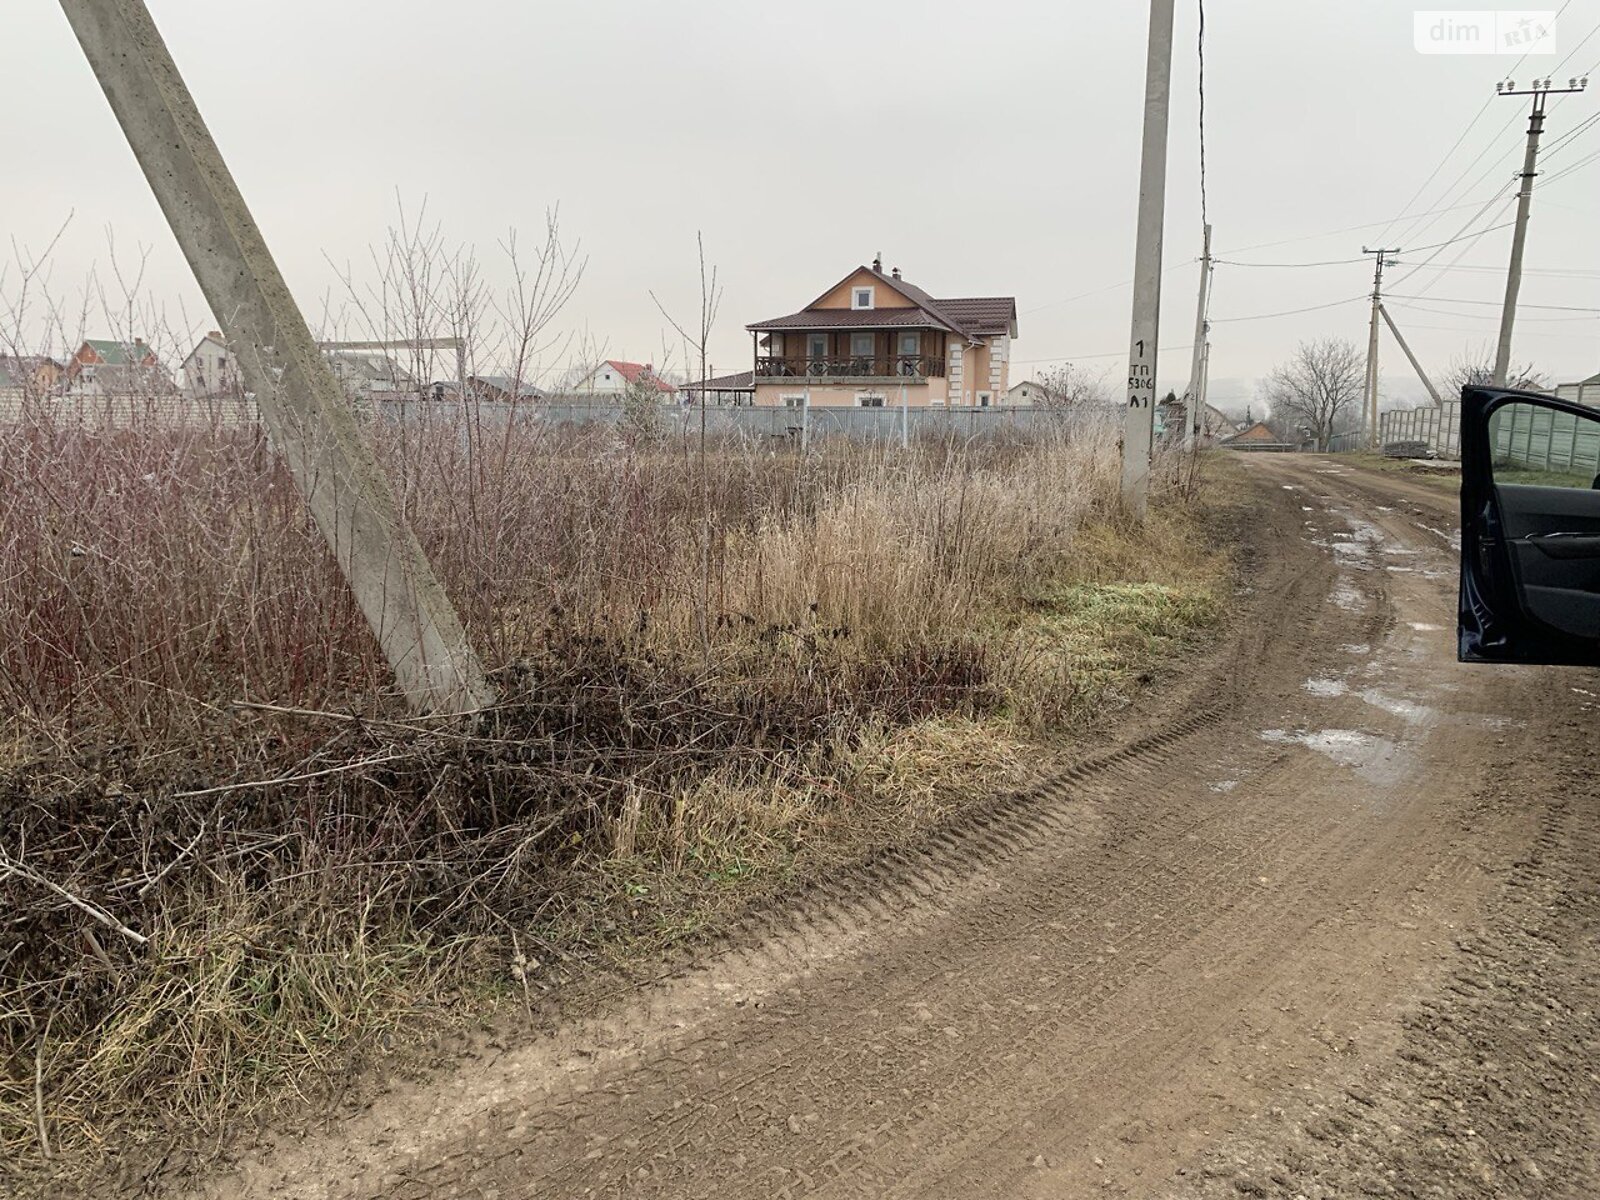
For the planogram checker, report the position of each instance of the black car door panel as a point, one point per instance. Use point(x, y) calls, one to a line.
point(1530, 568)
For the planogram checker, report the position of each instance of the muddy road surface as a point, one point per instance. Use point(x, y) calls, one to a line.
point(1322, 925)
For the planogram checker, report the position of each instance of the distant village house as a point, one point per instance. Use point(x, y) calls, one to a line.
point(614, 377)
point(104, 367)
point(29, 376)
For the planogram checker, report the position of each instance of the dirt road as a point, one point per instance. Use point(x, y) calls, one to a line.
point(1323, 926)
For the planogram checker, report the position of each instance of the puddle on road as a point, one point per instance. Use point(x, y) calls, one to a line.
point(1327, 689)
point(1356, 648)
point(1347, 597)
point(1224, 785)
point(1406, 710)
point(1375, 759)
point(1424, 627)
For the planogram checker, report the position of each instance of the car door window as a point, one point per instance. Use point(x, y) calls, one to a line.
point(1534, 445)
point(1545, 468)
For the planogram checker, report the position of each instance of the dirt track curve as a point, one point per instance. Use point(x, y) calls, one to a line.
point(1326, 930)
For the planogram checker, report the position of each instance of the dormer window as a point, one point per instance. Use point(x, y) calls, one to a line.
point(861, 298)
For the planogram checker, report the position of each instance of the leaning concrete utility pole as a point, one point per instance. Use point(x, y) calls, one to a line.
point(1410, 357)
point(1519, 239)
point(1138, 431)
point(1369, 396)
point(1195, 399)
point(305, 413)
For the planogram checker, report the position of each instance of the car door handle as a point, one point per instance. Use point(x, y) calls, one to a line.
point(1567, 545)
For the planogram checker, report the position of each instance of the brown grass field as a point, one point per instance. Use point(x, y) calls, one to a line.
point(235, 868)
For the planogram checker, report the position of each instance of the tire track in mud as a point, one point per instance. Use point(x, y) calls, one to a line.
point(1067, 992)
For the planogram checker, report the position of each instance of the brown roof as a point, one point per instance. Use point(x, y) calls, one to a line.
point(744, 381)
point(971, 316)
point(845, 318)
point(1259, 432)
point(982, 314)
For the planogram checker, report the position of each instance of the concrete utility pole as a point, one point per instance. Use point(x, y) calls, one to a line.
point(1138, 433)
point(1508, 314)
point(1369, 397)
point(306, 415)
point(1410, 357)
point(1196, 398)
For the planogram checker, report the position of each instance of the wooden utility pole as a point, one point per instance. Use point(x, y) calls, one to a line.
point(1138, 433)
point(305, 412)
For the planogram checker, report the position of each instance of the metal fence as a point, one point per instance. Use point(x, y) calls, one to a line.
point(1439, 427)
point(819, 421)
point(1526, 435)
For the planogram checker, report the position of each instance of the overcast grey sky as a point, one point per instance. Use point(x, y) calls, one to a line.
point(986, 149)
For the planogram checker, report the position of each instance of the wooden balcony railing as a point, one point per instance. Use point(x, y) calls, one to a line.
point(852, 366)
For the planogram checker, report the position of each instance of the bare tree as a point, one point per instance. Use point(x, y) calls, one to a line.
point(1072, 386)
point(698, 337)
point(1318, 387)
point(1475, 368)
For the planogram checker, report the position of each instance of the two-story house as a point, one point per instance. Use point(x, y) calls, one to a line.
point(872, 336)
point(210, 369)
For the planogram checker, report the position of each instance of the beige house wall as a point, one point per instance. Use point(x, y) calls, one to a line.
point(883, 296)
point(843, 395)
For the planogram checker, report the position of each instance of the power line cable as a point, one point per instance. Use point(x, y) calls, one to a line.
point(1456, 145)
point(1496, 303)
point(1451, 312)
point(1510, 152)
point(1577, 166)
point(1461, 234)
point(1312, 237)
point(1336, 262)
point(1289, 312)
point(1567, 138)
point(1205, 218)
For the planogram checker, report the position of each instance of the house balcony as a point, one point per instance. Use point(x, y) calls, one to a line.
point(857, 368)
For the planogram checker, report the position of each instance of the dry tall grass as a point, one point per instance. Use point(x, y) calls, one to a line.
point(232, 860)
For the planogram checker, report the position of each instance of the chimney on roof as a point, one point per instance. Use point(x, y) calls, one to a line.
point(897, 272)
point(877, 262)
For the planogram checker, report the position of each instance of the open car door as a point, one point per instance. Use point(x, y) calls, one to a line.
point(1530, 529)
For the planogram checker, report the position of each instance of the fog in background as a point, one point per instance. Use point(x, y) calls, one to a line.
point(984, 149)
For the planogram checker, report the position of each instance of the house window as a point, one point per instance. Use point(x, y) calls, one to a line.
point(911, 342)
point(869, 400)
point(861, 345)
point(794, 401)
point(984, 399)
point(861, 297)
